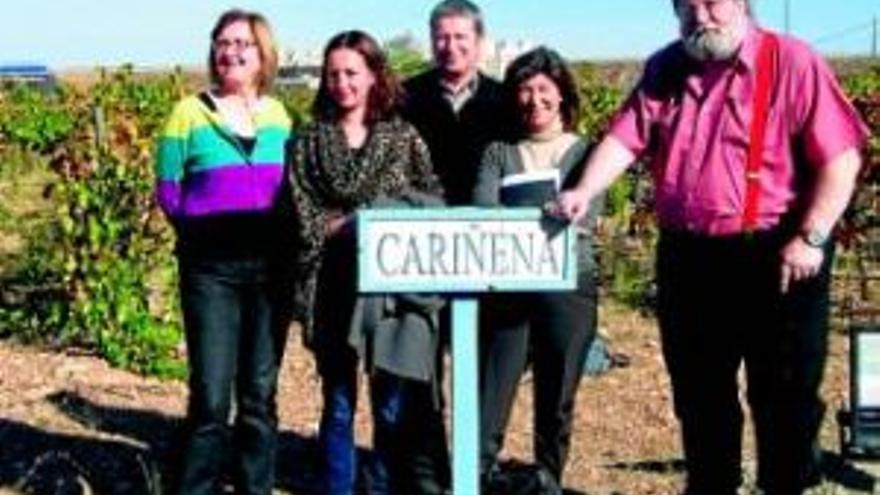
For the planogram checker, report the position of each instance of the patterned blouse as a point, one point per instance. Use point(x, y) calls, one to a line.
point(325, 176)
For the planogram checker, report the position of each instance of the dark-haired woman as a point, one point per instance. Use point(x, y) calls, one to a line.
point(551, 329)
point(357, 154)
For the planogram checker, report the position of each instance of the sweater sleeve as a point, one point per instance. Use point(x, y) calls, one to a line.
point(423, 177)
point(171, 157)
point(310, 219)
point(489, 175)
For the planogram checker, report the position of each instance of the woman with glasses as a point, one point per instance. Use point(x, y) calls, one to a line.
point(358, 154)
point(219, 169)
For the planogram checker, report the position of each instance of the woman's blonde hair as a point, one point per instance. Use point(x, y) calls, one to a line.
point(265, 42)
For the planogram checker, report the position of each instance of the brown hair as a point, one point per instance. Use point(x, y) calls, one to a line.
point(265, 44)
point(385, 94)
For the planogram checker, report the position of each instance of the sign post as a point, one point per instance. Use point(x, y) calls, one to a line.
point(464, 251)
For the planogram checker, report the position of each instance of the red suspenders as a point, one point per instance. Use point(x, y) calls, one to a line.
point(765, 79)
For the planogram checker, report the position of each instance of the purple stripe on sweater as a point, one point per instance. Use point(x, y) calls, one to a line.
point(168, 195)
point(244, 188)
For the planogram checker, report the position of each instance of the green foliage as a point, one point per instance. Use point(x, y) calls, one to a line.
point(98, 270)
point(406, 62)
point(864, 215)
point(298, 102)
point(859, 232)
point(99, 276)
point(140, 101)
point(863, 84)
point(107, 253)
point(16, 161)
point(625, 237)
point(599, 100)
point(404, 56)
point(34, 119)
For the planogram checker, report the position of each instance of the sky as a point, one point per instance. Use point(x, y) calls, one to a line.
point(78, 33)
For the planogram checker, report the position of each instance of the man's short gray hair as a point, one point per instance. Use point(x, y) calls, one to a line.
point(458, 8)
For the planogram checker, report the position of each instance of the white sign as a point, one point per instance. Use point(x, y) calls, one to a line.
point(463, 250)
point(868, 371)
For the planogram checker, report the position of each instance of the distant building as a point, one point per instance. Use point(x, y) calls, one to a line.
point(303, 66)
point(300, 68)
point(497, 55)
point(31, 74)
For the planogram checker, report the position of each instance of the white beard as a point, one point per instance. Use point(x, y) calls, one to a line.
point(715, 45)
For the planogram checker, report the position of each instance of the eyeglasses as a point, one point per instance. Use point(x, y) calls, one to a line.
point(240, 45)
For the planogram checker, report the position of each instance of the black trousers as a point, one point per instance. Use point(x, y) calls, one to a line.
point(426, 463)
point(553, 331)
point(235, 333)
point(426, 468)
point(720, 307)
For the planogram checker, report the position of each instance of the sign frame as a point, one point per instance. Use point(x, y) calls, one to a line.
point(468, 215)
point(864, 428)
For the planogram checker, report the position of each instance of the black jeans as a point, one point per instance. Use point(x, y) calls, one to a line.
point(235, 333)
point(719, 307)
point(554, 331)
point(425, 468)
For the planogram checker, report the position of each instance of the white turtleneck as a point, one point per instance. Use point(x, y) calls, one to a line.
point(543, 150)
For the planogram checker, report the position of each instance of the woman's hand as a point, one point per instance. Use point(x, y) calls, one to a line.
point(336, 222)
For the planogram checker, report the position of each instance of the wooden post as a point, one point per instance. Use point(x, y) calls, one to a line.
point(874, 38)
point(100, 124)
point(465, 398)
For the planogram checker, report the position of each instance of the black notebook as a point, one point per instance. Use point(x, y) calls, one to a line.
point(530, 188)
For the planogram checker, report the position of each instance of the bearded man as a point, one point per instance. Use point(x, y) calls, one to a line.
point(754, 153)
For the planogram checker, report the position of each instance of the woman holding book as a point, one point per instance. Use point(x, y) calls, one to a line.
point(552, 329)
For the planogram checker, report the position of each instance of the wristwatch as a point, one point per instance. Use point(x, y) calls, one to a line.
point(814, 237)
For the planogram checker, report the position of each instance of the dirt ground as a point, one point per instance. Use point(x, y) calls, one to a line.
point(70, 424)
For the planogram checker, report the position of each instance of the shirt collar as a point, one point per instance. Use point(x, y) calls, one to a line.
point(469, 86)
point(464, 93)
point(748, 53)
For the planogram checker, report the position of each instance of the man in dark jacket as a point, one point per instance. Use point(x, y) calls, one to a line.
point(458, 111)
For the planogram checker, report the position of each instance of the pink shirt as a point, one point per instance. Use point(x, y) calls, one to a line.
point(692, 123)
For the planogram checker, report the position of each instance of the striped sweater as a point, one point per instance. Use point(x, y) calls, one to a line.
point(203, 170)
point(218, 191)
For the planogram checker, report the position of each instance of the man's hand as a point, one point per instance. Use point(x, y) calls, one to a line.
point(605, 164)
point(800, 261)
point(835, 182)
point(571, 205)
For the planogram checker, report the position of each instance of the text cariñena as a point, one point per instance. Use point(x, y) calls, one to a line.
point(472, 252)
